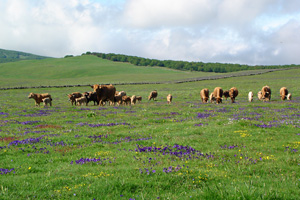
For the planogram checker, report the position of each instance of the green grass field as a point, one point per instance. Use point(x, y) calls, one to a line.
point(151, 150)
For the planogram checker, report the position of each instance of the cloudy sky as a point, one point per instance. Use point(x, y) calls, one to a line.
point(232, 31)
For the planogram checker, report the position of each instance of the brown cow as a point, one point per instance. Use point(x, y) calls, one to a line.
point(218, 93)
point(153, 95)
point(266, 93)
point(126, 100)
point(118, 99)
point(73, 96)
point(226, 94)
point(169, 98)
point(133, 100)
point(105, 93)
point(204, 95)
point(38, 98)
point(283, 93)
point(233, 92)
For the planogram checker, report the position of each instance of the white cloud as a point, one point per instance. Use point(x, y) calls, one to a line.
point(236, 31)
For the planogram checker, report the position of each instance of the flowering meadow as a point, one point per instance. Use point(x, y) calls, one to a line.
point(152, 150)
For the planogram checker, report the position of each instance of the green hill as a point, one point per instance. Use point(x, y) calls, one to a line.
point(86, 69)
point(13, 56)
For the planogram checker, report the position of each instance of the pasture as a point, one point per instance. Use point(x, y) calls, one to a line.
point(152, 150)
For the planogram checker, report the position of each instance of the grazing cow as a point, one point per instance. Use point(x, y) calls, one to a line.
point(218, 93)
point(250, 96)
point(289, 96)
point(212, 98)
point(139, 98)
point(283, 93)
point(204, 94)
point(226, 94)
point(105, 93)
point(118, 99)
point(153, 95)
point(169, 98)
point(91, 96)
point(266, 93)
point(259, 95)
point(73, 96)
point(38, 98)
point(133, 100)
point(126, 100)
point(81, 100)
point(233, 92)
point(47, 101)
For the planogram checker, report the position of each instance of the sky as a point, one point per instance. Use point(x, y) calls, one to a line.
point(253, 32)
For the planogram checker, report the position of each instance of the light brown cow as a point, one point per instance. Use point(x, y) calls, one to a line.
point(289, 96)
point(226, 94)
point(266, 93)
point(153, 95)
point(233, 92)
point(169, 98)
point(204, 95)
point(73, 96)
point(259, 96)
point(47, 101)
point(126, 100)
point(283, 93)
point(105, 93)
point(139, 98)
point(133, 100)
point(218, 94)
point(38, 98)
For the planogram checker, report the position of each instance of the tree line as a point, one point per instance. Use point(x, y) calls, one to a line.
point(184, 65)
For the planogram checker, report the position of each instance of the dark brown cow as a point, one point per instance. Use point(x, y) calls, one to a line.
point(139, 98)
point(118, 99)
point(226, 94)
point(91, 96)
point(266, 93)
point(73, 96)
point(38, 98)
point(233, 92)
point(153, 95)
point(283, 93)
point(218, 94)
point(126, 100)
point(105, 93)
point(204, 94)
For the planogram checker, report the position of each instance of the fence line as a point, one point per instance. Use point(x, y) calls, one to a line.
point(247, 73)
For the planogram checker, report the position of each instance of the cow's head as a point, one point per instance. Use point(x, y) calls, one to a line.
point(31, 95)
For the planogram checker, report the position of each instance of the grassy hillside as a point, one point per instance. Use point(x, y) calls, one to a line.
point(13, 56)
point(83, 70)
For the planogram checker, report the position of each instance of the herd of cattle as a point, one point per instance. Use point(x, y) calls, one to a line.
point(107, 93)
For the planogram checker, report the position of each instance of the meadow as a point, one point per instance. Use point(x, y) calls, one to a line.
point(152, 150)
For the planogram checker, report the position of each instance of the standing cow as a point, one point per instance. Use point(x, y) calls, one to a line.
point(153, 95)
point(38, 98)
point(204, 94)
point(217, 94)
point(73, 96)
point(283, 93)
point(169, 98)
point(233, 92)
point(105, 93)
point(266, 93)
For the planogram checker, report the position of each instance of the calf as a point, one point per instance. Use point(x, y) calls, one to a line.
point(259, 95)
point(38, 98)
point(283, 93)
point(212, 98)
point(139, 98)
point(204, 95)
point(73, 96)
point(266, 93)
point(169, 98)
point(226, 94)
point(250, 96)
point(126, 100)
point(118, 99)
point(133, 100)
point(47, 101)
point(91, 96)
point(81, 100)
point(289, 96)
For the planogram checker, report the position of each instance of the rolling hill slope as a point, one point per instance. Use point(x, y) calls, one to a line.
point(13, 56)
